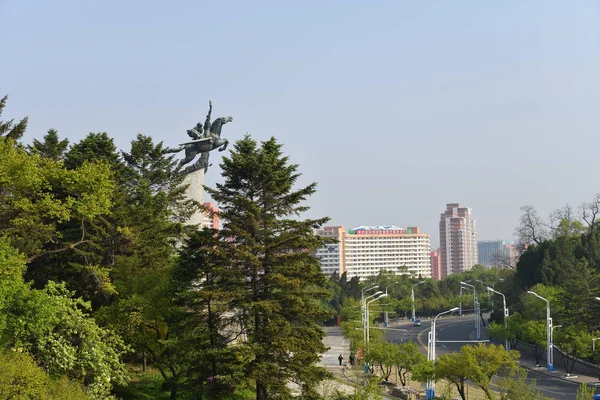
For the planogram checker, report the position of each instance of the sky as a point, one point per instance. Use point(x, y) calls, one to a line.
point(394, 108)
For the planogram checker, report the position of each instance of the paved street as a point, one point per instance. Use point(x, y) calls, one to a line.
point(553, 384)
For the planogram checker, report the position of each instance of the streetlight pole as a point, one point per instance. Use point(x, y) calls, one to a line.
point(475, 309)
point(412, 298)
point(550, 355)
point(507, 344)
point(460, 304)
point(375, 299)
point(430, 392)
point(386, 319)
point(366, 317)
point(362, 304)
point(489, 297)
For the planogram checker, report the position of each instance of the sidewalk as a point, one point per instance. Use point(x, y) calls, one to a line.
point(345, 379)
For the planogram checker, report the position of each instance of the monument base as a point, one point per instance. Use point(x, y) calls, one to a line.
point(195, 191)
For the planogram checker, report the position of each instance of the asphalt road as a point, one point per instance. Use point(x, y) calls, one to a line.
point(459, 328)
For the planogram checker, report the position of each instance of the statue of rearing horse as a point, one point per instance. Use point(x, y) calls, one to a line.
point(204, 142)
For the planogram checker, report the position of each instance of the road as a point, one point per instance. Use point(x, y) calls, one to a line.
point(460, 328)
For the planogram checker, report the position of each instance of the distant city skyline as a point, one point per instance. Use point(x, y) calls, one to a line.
point(393, 108)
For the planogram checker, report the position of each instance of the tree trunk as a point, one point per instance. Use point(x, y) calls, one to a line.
point(173, 391)
point(488, 394)
point(145, 362)
point(461, 390)
point(261, 391)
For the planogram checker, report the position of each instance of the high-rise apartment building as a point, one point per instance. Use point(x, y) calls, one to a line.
point(367, 250)
point(458, 240)
point(436, 272)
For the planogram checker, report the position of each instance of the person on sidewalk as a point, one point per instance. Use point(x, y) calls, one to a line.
point(351, 359)
point(340, 359)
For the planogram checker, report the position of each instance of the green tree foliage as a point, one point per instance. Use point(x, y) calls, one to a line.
point(488, 361)
point(574, 341)
point(205, 328)
point(37, 195)
point(408, 360)
point(272, 250)
point(22, 379)
point(534, 334)
point(455, 368)
point(94, 147)
point(8, 129)
point(384, 354)
point(478, 364)
point(511, 332)
point(54, 328)
point(515, 386)
point(52, 147)
point(585, 392)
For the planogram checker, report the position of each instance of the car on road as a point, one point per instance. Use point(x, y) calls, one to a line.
point(417, 322)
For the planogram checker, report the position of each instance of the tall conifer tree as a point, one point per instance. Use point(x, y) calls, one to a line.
point(272, 249)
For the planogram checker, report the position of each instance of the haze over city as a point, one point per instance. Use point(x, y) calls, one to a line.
point(394, 108)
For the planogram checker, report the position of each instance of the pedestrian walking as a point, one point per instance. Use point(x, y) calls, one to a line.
point(351, 359)
point(340, 359)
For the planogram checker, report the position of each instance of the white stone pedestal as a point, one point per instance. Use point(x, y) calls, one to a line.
point(195, 191)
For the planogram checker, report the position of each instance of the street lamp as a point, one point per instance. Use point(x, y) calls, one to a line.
point(367, 311)
point(475, 308)
point(486, 284)
point(366, 315)
point(430, 392)
point(507, 344)
point(363, 290)
point(412, 298)
point(550, 355)
point(386, 318)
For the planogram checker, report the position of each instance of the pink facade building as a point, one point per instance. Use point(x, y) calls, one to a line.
point(211, 216)
point(458, 240)
point(436, 272)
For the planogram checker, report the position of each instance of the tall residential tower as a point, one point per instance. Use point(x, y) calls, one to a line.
point(458, 240)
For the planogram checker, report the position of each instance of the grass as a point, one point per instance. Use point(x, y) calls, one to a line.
point(143, 385)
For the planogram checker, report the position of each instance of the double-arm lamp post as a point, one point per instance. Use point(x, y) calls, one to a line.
point(366, 316)
point(507, 344)
point(382, 295)
point(550, 352)
point(430, 392)
point(475, 307)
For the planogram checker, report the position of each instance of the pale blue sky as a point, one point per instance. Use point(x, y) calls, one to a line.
point(394, 107)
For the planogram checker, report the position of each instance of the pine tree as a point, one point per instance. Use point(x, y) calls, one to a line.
point(272, 250)
point(51, 147)
point(8, 129)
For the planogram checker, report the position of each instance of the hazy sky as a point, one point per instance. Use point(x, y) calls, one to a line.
point(394, 107)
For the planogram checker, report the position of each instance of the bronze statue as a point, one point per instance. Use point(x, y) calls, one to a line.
point(204, 140)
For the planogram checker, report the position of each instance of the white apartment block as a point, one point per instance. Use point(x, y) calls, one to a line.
point(367, 250)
